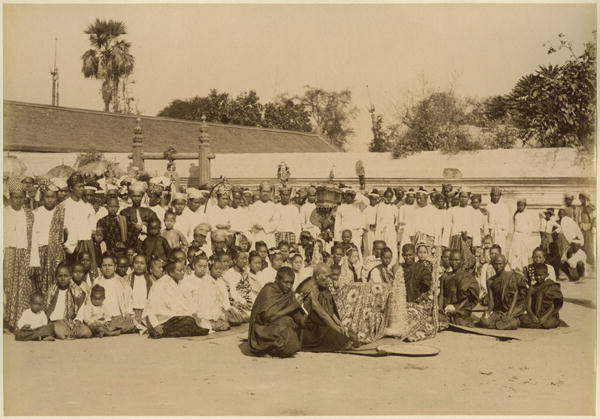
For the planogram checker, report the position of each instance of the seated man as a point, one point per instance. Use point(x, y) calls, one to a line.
point(276, 318)
point(544, 300)
point(323, 331)
point(168, 313)
point(573, 261)
point(507, 291)
point(460, 292)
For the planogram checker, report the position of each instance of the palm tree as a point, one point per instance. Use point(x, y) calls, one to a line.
point(109, 59)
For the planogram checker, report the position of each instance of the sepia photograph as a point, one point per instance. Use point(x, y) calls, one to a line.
point(343, 209)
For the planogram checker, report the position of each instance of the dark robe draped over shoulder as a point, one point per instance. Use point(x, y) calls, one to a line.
point(268, 334)
point(543, 297)
point(317, 335)
point(417, 279)
point(504, 286)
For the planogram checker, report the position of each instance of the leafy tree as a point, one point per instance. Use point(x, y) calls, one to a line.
point(246, 109)
point(286, 113)
point(556, 105)
point(437, 122)
point(109, 58)
point(331, 112)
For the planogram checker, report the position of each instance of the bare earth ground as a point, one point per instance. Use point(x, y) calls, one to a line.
point(547, 373)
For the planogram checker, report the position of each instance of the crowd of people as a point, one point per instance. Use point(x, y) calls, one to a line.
point(319, 268)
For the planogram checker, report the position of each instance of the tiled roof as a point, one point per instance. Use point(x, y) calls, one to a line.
point(44, 128)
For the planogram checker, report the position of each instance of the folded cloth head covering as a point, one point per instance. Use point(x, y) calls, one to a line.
point(203, 228)
point(74, 179)
point(549, 211)
point(247, 193)
point(137, 187)
point(218, 235)
point(265, 186)
point(585, 195)
point(522, 200)
point(178, 196)
point(59, 182)
point(311, 190)
point(154, 188)
point(15, 185)
point(422, 191)
point(111, 187)
point(193, 193)
point(496, 190)
point(90, 188)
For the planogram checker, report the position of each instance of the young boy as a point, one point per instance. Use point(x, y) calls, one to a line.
point(544, 301)
point(98, 242)
point(284, 250)
point(114, 225)
point(118, 296)
point(122, 266)
point(63, 301)
point(174, 237)
point(95, 315)
point(538, 257)
point(199, 243)
point(79, 278)
point(382, 272)
point(33, 324)
point(155, 245)
point(156, 268)
point(372, 260)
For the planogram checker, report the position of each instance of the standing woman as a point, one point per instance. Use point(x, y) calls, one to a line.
point(385, 225)
point(20, 254)
point(49, 230)
point(525, 237)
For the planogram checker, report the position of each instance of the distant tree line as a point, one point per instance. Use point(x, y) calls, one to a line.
point(555, 106)
point(329, 113)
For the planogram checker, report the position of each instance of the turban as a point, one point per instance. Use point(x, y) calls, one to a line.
point(422, 191)
point(496, 190)
point(265, 186)
point(60, 183)
point(247, 193)
point(178, 196)
point(138, 187)
point(75, 179)
point(585, 195)
point(218, 235)
point(522, 200)
point(90, 188)
point(154, 188)
point(203, 228)
point(193, 193)
point(15, 185)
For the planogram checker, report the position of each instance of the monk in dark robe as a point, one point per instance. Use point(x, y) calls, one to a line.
point(276, 318)
point(507, 291)
point(460, 292)
point(417, 276)
point(322, 331)
point(544, 300)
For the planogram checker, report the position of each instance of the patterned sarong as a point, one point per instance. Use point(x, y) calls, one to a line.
point(284, 236)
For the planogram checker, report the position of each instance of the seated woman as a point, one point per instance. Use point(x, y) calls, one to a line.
point(507, 291)
point(351, 267)
point(276, 318)
point(168, 312)
point(460, 292)
point(544, 300)
point(382, 273)
point(323, 330)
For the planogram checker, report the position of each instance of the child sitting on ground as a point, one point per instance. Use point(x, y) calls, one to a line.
point(174, 237)
point(94, 314)
point(33, 324)
point(155, 245)
point(538, 258)
point(140, 283)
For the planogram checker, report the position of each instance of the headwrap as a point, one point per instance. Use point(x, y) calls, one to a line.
point(247, 193)
point(218, 235)
point(137, 187)
point(265, 186)
point(203, 228)
point(523, 200)
point(585, 195)
point(223, 189)
point(154, 188)
point(496, 190)
point(15, 185)
point(549, 211)
point(90, 188)
point(411, 191)
point(193, 193)
point(74, 179)
point(422, 191)
point(569, 195)
point(312, 190)
point(60, 183)
point(178, 196)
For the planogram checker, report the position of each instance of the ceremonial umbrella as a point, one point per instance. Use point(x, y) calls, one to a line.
point(62, 171)
point(13, 167)
point(95, 168)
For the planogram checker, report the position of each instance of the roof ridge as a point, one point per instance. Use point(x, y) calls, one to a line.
point(162, 118)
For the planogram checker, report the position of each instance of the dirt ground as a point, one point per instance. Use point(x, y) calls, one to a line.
point(544, 373)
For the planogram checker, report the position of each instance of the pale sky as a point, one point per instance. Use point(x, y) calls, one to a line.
point(184, 50)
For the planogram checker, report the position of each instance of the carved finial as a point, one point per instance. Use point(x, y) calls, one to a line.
point(137, 131)
point(204, 137)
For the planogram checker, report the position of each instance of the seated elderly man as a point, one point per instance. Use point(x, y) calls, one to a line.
point(168, 313)
point(460, 292)
point(276, 318)
point(323, 330)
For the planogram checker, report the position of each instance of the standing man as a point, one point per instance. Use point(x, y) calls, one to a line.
point(350, 217)
point(570, 209)
point(585, 216)
point(498, 217)
point(405, 218)
point(79, 221)
point(386, 221)
point(464, 229)
point(262, 217)
point(137, 216)
point(306, 210)
point(427, 223)
point(287, 219)
point(370, 214)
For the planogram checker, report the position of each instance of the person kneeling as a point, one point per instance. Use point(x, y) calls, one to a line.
point(276, 318)
point(168, 313)
point(544, 300)
point(33, 323)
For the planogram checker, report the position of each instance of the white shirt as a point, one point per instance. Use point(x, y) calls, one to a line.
point(219, 216)
point(240, 219)
point(263, 213)
point(370, 214)
point(79, 222)
point(405, 217)
point(266, 275)
point(41, 225)
point(160, 213)
point(348, 217)
point(205, 296)
point(571, 230)
point(15, 233)
point(187, 221)
point(498, 216)
point(118, 296)
point(60, 307)
point(427, 220)
point(464, 219)
point(140, 292)
point(34, 320)
point(102, 212)
point(288, 219)
point(166, 300)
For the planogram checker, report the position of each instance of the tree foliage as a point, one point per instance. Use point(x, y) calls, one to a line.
point(332, 112)
point(380, 141)
point(287, 113)
point(108, 60)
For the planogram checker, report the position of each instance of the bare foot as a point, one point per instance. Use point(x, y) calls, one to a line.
point(49, 339)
